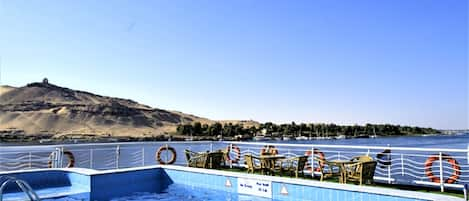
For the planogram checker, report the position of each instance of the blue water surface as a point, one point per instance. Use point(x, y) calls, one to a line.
point(177, 192)
point(430, 141)
point(184, 192)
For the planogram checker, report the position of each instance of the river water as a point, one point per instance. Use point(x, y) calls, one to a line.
point(460, 141)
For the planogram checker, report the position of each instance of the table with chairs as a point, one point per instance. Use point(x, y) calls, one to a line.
point(333, 168)
point(266, 164)
point(269, 162)
point(272, 164)
point(359, 169)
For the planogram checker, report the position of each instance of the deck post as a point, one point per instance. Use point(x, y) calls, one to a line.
point(442, 187)
point(389, 166)
point(117, 156)
point(61, 158)
point(312, 162)
point(91, 158)
point(143, 155)
point(231, 149)
point(402, 164)
point(56, 158)
point(467, 154)
point(389, 174)
point(30, 160)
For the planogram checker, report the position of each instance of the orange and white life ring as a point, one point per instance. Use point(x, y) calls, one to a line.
point(322, 158)
point(237, 152)
point(166, 148)
point(69, 154)
point(454, 165)
point(269, 150)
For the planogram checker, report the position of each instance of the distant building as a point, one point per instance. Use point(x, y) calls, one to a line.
point(45, 81)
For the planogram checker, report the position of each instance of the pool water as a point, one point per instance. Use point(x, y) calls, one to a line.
point(178, 192)
point(184, 192)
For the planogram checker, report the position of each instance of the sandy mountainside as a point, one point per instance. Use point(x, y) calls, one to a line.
point(46, 108)
point(4, 89)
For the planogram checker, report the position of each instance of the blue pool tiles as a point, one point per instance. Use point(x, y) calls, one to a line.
point(295, 192)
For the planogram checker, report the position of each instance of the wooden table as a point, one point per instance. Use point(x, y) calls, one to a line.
point(268, 162)
point(343, 170)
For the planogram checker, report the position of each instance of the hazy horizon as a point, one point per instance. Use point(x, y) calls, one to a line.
point(397, 62)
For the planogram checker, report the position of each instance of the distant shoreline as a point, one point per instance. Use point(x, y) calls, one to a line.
point(181, 138)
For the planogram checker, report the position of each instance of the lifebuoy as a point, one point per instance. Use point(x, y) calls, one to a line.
point(269, 150)
point(322, 158)
point(454, 164)
point(69, 154)
point(384, 158)
point(166, 148)
point(237, 153)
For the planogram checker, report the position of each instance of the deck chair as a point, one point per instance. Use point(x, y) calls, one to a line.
point(252, 166)
point(214, 160)
point(195, 159)
point(327, 169)
point(362, 172)
point(295, 165)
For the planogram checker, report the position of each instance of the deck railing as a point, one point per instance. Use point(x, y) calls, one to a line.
point(431, 167)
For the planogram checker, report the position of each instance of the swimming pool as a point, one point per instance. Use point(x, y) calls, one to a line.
point(183, 183)
point(176, 192)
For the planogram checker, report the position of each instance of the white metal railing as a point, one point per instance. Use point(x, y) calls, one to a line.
point(402, 165)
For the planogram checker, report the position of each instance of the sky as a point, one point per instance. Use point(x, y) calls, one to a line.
point(322, 61)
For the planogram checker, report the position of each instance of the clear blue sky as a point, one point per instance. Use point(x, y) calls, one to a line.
point(348, 62)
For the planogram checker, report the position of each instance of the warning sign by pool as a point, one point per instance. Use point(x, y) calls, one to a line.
point(255, 187)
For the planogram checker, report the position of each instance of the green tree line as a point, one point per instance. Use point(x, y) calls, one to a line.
point(295, 130)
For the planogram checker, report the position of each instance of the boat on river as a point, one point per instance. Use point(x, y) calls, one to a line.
point(261, 138)
point(302, 138)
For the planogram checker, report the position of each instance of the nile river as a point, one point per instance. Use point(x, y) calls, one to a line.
point(460, 141)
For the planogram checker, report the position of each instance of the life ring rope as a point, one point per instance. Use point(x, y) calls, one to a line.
point(166, 148)
point(454, 166)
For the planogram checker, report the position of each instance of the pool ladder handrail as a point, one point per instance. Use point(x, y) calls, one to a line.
point(23, 185)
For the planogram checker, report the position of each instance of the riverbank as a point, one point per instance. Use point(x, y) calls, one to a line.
point(458, 140)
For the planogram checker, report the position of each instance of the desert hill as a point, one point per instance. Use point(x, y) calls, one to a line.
point(4, 89)
point(46, 108)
